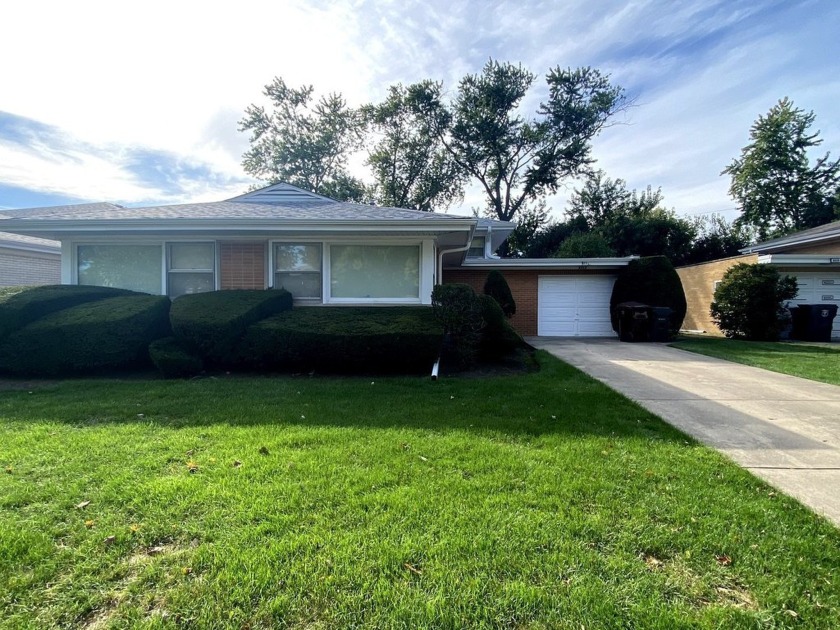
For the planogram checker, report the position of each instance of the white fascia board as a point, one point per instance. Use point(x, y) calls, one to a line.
point(30, 247)
point(754, 249)
point(127, 227)
point(546, 263)
point(799, 260)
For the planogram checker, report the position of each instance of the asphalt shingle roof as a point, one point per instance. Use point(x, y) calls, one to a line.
point(827, 230)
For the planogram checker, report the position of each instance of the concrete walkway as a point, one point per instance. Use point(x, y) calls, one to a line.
point(784, 429)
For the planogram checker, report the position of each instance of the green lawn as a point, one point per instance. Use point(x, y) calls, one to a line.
point(817, 363)
point(536, 501)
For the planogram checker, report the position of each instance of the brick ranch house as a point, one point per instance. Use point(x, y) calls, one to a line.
point(811, 256)
point(26, 260)
point(325, 252)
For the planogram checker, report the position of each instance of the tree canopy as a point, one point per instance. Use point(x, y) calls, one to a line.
point(410, 165)
point(517, 159)
point(300, 143)
point(774, 183)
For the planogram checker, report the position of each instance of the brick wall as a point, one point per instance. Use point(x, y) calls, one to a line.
point(523, 287)
point(699, 286)
point(28, 268)
point(242, 265)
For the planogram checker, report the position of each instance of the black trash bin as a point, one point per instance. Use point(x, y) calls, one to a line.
point(660, 329)
point(812, 322)
point(634, 321)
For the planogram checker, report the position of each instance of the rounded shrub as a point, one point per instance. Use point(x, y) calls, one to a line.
point(748, 302)
point(363, 339)
point(211, 324)
point(23, 305)
point(173, 360)
point(652, 281)
point(96, 336)
point(497, 287)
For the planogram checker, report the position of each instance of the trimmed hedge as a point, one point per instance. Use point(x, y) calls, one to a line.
point(498, 338)
point(457, 308)
point(96, 336)
point(394, 339)
point(173, 360)
point(212, 324)
point(652, 281)
point(21, 306)
point(497, 287)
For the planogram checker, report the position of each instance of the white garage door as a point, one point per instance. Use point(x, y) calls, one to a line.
point(820, 288)
point(574, 306)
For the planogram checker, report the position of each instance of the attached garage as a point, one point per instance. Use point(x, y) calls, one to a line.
point(819, 288)
point(574, 306)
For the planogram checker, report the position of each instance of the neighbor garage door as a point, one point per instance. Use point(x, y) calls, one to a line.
point(820, 288)
point(574, 306)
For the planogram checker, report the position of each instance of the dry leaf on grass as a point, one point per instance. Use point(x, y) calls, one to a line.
point(413, 569)
point(110, 540)
point(82, 505)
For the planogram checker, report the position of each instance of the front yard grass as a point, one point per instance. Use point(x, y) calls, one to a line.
point(817, 363)
point(543, 500)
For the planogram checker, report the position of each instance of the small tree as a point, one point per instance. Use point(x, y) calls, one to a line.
point(748, 302)
point(585, 245)
point(497, 288)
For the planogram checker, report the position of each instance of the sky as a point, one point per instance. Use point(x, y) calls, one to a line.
point(138, 103)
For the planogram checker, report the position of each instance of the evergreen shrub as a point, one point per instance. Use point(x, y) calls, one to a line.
point(212, 324)
point(652, 281)
point(99, 336)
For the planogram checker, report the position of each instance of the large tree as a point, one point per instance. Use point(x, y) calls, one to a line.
point(777, 188)
point(302, 143)
point(411, 166)
point(518, 159)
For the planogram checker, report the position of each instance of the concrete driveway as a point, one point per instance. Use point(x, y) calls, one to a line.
point(784, 429)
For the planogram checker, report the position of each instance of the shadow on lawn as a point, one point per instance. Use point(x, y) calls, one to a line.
point(556, 399)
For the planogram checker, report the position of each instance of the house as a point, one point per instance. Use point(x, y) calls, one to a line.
point(26, 260)
point(325, 252)
point(811, 256)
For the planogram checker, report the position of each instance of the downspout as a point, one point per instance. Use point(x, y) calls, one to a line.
point(454, 250)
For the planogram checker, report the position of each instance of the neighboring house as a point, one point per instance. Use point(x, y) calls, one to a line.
point(26, 260)
point(323, 251)
point(812, 256)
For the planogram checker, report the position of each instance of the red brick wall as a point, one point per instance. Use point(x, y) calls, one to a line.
point(523, 287)
point(242, 265)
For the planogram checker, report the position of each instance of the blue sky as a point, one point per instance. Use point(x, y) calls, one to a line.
point(138, 103)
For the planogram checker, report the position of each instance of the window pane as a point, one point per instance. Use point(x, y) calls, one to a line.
point(297, 257)
point(192, 256)
point(375, 271)
point(300, 285)
point(134, 267)
point(184, 283)
point(476, 249)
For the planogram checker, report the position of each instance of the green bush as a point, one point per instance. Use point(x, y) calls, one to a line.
point(457, 308)
point(585, 245)
point(497, 287)
point(92, 337)
point(20, 306)
point(173, 360)
point(652, 281)
point(211, 324)
point(498, 338)
point(404, 339)
point(748, 302)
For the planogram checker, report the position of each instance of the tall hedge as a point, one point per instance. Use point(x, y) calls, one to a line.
point(344, 340)
point(22, 306)
point(99, 336)
point(497, 288)
point(211, 324)
point(652, 281)
point(458, 309)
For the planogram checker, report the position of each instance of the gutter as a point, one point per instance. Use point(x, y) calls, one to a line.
point(454, 250)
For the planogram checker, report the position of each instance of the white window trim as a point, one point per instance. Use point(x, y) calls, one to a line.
point(70, 253)
point(426, 269)
point(166, 258)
